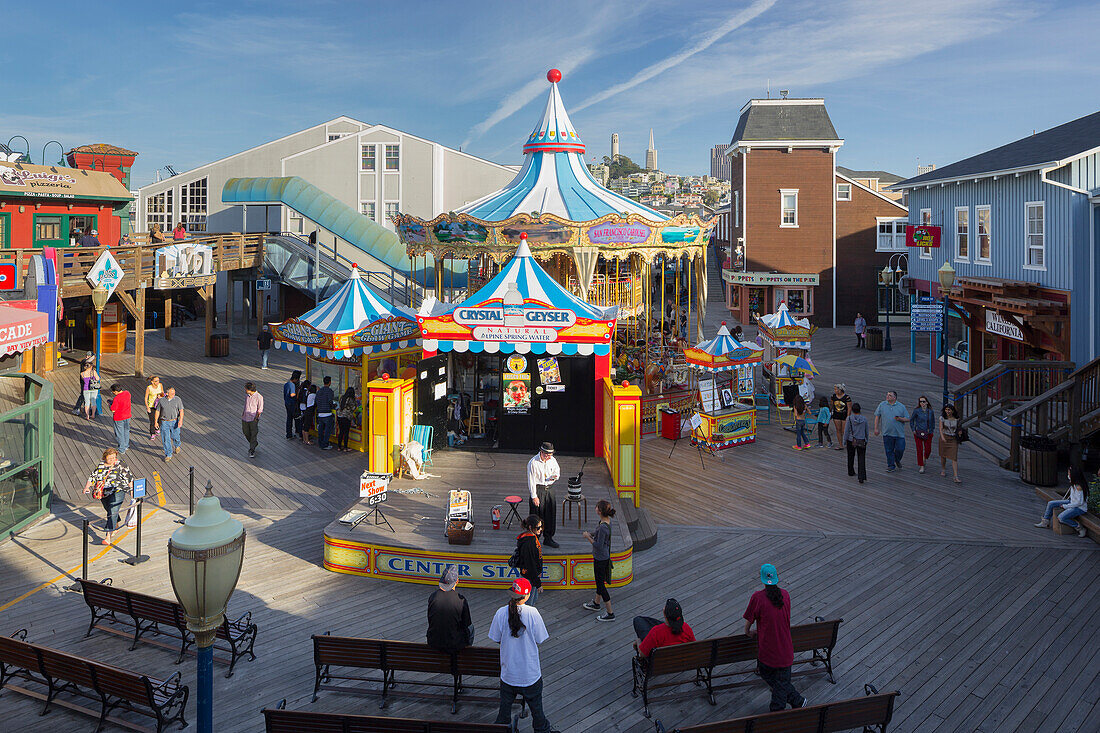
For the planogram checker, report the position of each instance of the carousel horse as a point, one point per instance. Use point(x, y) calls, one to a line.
point(654, 378)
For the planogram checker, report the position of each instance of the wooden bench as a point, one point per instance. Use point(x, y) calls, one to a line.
point(280, 720)
point(390, 657)
point(1088, 520)
point(114, 689)
point(158, 615)
point(701, 657)
point(869, 713)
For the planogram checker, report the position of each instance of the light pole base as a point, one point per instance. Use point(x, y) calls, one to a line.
point(135, 560)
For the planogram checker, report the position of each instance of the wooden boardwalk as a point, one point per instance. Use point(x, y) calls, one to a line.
point(947, 593)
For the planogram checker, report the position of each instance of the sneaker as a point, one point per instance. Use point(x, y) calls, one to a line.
point(177, 450)
point(1082, 532)
point(251, 454)
point(590, 606)
point(920, 470)
point(899, 464)
point(606, 617)
point(1043, 523)
point(796, 447)
point(890, 470)
point(805, 702)
point(168, 459)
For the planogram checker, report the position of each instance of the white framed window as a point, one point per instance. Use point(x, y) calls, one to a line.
point(891, 234)
point(1035, 254)
point(983, 218)
point(926, 220)
point(737, 208)
point(788, 207)
point(392, 209)
point(393, 157)
point(962, 233)
point(336, 135)
point(193, 205)
point(158, 211)
point(366, 208)
point(843, 192)
point(366, 158)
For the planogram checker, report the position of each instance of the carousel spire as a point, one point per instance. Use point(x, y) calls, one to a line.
point(554, 133)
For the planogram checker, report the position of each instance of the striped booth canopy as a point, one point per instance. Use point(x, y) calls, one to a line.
point(782, 330)
point(523, 310)
point(723, 352)
point(351, 322)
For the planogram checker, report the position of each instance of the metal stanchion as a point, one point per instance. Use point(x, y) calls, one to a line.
point(137, 556)
point(190, 494)
point(84, 555)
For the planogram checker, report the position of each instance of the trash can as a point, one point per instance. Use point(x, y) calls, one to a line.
point(874, 338)
point(670, 424)
point(219, 344)
point(1038, 460)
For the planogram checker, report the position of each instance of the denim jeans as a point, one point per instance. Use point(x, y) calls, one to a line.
point(112, 503)
point(800, 438)
point(895, 449)
point(170, 436)
point(291, 416)
point(532, 694)
point(1065, 517)
point(783, 692)
point(534, 596)
point(643, 625)
point(263, 358)
point(122, 434)
point(324, 430)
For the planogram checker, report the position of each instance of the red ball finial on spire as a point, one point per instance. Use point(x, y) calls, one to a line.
point(553, 76)
point(523, 235)
point(723, 323)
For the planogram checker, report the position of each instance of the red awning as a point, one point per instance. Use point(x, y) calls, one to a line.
point(21, 329)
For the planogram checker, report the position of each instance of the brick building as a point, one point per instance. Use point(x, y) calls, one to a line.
point(806, 234)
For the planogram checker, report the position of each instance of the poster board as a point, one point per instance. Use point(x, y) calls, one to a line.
point(372, 487)
point(708, 395)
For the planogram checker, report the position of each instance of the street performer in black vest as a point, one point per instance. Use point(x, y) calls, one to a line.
point(542, 470)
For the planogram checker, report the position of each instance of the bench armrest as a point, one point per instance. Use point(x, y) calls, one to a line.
point(243, 623)
point(169, 686)
point(21, 635)
point(869, 689)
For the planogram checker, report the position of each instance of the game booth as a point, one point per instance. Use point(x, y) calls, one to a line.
point(783, 334)
point(353, 336)
point(726, 411)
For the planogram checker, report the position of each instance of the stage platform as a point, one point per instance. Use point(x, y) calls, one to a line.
point(416, 551)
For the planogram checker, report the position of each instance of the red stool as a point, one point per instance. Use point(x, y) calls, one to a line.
point(513, 502)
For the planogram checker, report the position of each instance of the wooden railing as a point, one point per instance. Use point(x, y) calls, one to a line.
point(232, 251)
point(1069, 410)
point(1005, 385)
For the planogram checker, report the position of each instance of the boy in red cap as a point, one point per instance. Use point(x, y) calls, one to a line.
point(519, 630)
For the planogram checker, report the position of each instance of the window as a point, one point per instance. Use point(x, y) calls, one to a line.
point(983, 216)
point(926, 220)
point(1035, 236)
point(47, 228)
point(891, 235)
point(158, 211)
point(193, 205)
point(393, 157)
point(788, 207)
point(392, 209)
point(843, 192)
point(336, 135)
point(962, 234)
point(367, 158)
point(366, 208)
point(737, 208)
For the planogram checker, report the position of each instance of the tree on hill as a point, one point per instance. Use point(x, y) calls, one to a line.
point(621, 167)
point(710, 198)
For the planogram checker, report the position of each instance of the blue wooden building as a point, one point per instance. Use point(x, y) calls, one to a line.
point(1021, 226)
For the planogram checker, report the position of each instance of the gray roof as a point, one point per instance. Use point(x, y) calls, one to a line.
point(882, 176)
point(1048, 146)
point(789, 120)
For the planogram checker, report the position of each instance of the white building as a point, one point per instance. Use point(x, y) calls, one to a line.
point(374, 169)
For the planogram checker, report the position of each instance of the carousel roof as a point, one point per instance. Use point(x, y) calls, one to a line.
point(554, 178)
point(783, 318)
point(723, 352)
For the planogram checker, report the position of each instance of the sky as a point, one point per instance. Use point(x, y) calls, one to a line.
point(928, 81)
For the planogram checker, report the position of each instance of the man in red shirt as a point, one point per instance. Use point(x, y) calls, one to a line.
point(770, 610)
point(652, 633)
point(120, 410)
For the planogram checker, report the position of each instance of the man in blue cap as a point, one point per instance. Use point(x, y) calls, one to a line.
point(770, 610)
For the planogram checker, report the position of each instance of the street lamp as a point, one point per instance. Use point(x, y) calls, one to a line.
point(204, 561)
point(100, 295)
point(887, 278)
point(946, 275)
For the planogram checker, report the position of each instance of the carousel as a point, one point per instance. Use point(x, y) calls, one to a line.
point(602, 247)
point(784, 339)
point(353, 336)
point(726, 410)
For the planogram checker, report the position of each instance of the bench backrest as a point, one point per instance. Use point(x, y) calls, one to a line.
point(409, 656)
point(682, 657)
point(303, 721)
point(99, 595)
point(123, 683)
point(818, 635)
point(149, 608)
point(479, 661)
point(347, 651)
point(62, 666)
point(851, 714)
point(18, 654)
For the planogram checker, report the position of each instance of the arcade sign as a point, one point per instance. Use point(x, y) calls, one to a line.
point(299, 332)
point(384, 331)
point(515, 317)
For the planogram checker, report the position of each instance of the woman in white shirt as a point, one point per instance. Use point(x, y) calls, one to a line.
point(1074, 505)
point(519, 630)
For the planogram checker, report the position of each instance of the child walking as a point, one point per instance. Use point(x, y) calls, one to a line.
point(601, 560)
point(824, 418)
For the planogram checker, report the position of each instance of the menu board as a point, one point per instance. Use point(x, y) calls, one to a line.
point(708, 396)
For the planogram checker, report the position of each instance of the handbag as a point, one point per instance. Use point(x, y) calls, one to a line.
point(97, 492)
point(962, 435)
point(93, 384)
point(513, 561)
point(859, 442)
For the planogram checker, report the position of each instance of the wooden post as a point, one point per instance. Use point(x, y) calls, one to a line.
point(139, 333)
point(168, 319)
point(207, 292)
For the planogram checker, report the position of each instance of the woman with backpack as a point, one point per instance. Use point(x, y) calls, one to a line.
point(528, 555)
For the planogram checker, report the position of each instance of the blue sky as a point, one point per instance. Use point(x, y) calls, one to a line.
point(185, 83)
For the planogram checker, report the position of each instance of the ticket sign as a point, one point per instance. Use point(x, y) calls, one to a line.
point(372, 487)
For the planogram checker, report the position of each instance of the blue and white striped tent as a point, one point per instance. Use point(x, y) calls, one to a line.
point(522, 284)
point(554, 178)
point(782, 318)
point(723, 352)
point(353, 321)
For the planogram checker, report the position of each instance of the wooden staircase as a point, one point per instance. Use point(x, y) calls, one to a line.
point(1013, 399)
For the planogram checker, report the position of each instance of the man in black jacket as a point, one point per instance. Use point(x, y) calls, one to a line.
point(449, 626)
point(326, 421)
